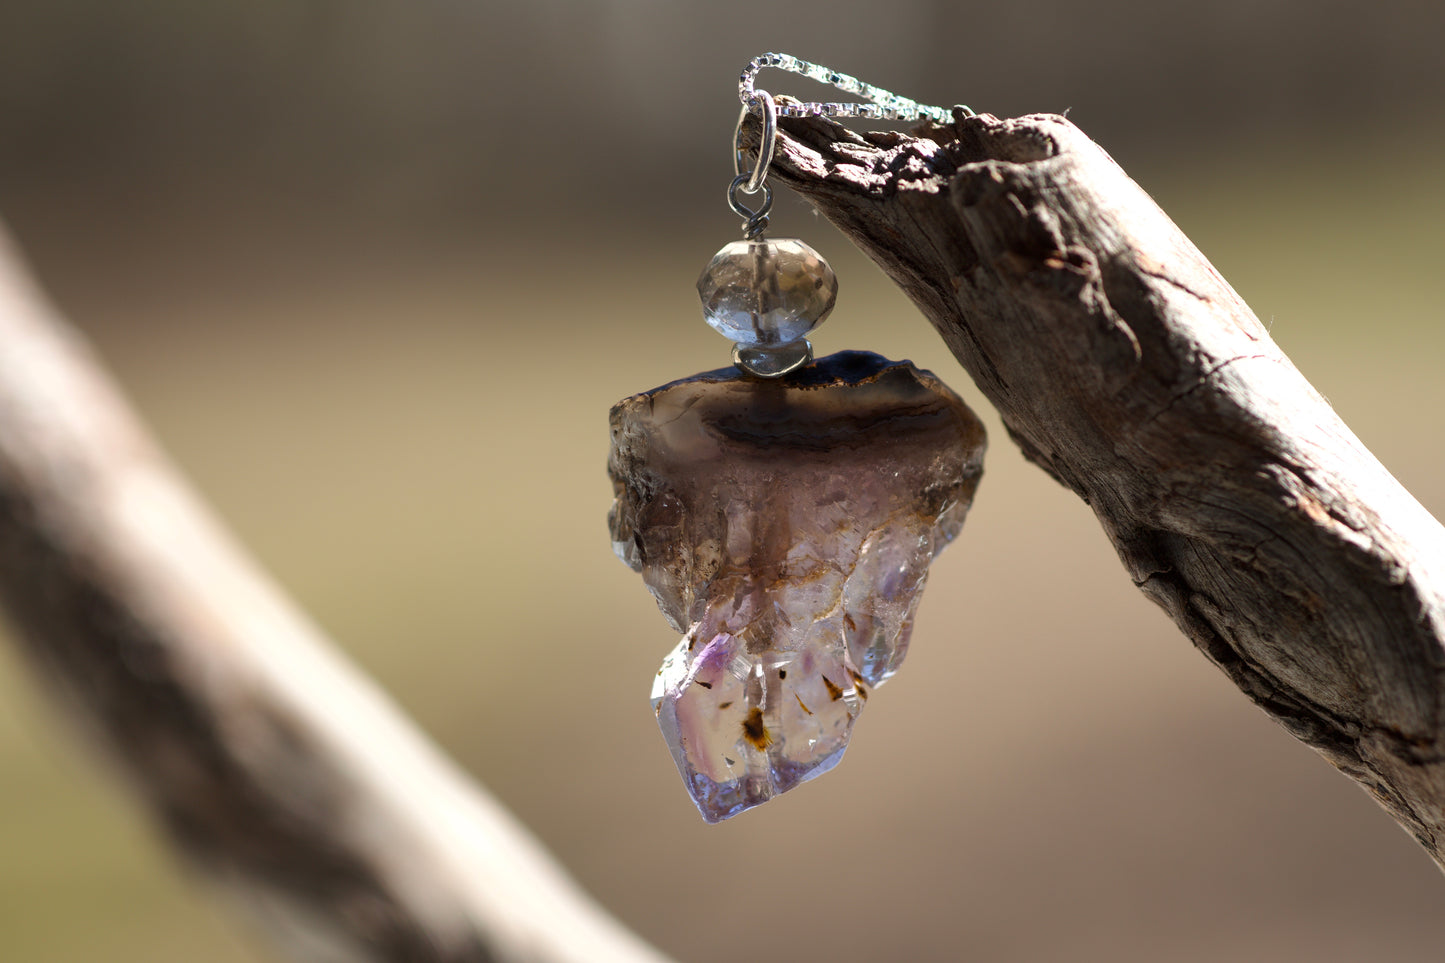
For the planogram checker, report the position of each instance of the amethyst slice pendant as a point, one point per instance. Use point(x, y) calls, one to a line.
point(785, 527)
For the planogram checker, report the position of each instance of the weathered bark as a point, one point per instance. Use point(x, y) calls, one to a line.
point(271, 762)
point(1128, 369)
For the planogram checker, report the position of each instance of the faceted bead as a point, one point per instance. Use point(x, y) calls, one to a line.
point(785, 528)
point(767, 291)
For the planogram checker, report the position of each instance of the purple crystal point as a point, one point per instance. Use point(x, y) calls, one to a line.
point(786, 528)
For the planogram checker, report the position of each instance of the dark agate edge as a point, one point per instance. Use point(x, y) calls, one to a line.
point(785, 527)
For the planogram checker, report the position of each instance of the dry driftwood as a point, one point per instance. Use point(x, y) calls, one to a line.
point(1129, 370)
point(272, 763)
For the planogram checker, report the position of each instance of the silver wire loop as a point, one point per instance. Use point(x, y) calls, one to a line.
point(766, 146)
point(755, 220)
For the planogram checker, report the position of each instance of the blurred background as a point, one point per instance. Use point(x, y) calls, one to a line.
point(375, 273)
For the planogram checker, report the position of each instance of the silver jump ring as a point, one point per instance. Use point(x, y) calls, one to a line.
point(766, 146)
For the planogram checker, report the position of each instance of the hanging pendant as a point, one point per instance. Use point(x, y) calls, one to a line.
point(786, 528)
point(783, 513)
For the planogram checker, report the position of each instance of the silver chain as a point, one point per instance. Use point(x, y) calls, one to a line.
point(882, 104)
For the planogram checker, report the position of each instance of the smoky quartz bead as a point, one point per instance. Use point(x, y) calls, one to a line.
point(768, 291)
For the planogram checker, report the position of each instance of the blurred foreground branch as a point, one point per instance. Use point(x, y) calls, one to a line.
point(273, 764)
point(1129, 370)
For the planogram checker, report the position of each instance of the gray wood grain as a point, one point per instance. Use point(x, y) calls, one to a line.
point(1128, 369)
point(277, 769)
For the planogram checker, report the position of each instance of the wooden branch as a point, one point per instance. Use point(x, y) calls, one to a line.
point(1128, 369)
point(272, 763)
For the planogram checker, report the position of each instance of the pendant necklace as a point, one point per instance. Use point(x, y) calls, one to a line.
point(784, 511)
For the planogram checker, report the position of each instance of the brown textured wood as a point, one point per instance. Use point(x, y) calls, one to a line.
point(1128, 369)
point(277, 769)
